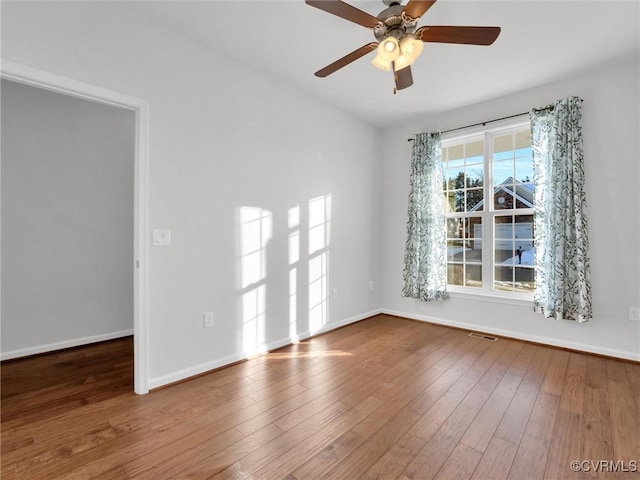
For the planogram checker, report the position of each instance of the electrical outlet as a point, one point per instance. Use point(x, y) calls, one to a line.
point(371, 285)
point(634, 314)
point(334, 293)
point(208, 319)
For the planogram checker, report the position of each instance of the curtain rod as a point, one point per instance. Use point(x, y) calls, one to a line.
point(535, 110)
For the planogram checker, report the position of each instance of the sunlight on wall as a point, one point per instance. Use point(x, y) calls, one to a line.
point(319, 235)
point(293, 224)
point(256, 229)
point(307, 267)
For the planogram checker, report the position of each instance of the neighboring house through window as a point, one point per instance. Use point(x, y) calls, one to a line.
point(489, 201)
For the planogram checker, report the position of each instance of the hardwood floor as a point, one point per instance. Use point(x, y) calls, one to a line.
point(385, 398)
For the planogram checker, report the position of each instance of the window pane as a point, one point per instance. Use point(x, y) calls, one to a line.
point(464, 176)
point(473, 254)
point(515, 177)
point(464, 251)
point(455, 274)
point(503, 279)
point(504, 252)
point(523, 240)
point(522, 152)
point(455, 178)
point(514, 240)
point(474, 240)
point(504, 249)
point(455, 200)
point(518, 279)
point(524, 188)
point(504, 226)
point(455, 227)
point(503, 198)
point(524, 279)
point(474, 200)
point(475, 227)
point(502, 172)
point(524, 169)
point(475, 175)
point(455, 250)
point(473, 276)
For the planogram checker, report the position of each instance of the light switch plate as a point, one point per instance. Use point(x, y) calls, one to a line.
point(161, 238)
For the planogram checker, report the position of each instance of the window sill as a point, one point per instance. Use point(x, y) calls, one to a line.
point(521, 300)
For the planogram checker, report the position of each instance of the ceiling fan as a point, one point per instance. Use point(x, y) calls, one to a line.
point(400, 42)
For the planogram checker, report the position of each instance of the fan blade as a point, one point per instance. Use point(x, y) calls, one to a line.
point(346, 11)
point(346, 60)
point(416, 8)
point(403, 77)
point(466, 35)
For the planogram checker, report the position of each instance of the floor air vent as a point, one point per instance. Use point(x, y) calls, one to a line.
point(483, 336)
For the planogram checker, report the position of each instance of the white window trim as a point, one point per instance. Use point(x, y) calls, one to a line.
point(487, 292)
point(496, 296)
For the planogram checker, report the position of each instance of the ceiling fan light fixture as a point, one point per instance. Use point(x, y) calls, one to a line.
point(401, 62)
point(381, 64)
point(411, 48)
point(389, 49)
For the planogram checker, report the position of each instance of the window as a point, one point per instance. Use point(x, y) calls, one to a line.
point(488, 187)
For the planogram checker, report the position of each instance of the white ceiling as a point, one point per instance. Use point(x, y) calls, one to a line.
point(289, 40)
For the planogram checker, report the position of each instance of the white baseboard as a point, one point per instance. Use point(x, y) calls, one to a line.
point(342, 323)
point(610, 352)
point(51, 347)
point(221, 362)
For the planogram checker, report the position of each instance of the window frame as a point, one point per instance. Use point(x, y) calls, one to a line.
point(487, 292)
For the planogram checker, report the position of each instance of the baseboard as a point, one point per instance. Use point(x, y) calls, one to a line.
point(51, 347)
point(199, 369)
point(554, 342)
point(342, 323)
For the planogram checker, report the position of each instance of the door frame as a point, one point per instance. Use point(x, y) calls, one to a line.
point(68, 86)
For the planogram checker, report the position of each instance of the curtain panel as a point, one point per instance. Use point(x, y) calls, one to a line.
point(425, 260)
point(563, 286)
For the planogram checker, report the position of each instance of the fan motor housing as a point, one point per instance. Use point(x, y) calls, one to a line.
point(394, 23)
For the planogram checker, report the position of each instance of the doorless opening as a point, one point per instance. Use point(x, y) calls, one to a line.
point(46, 81)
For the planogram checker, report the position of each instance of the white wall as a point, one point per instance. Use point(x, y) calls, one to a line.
point(67, 220)
point(223, 137)
point(610, 128)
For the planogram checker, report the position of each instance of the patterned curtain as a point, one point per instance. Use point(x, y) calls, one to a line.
point(563, 287)
point(425, 259)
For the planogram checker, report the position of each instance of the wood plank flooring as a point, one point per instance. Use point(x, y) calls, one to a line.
point(385, 398)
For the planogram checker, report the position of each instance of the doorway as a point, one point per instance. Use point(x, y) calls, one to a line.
point(46, 81)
